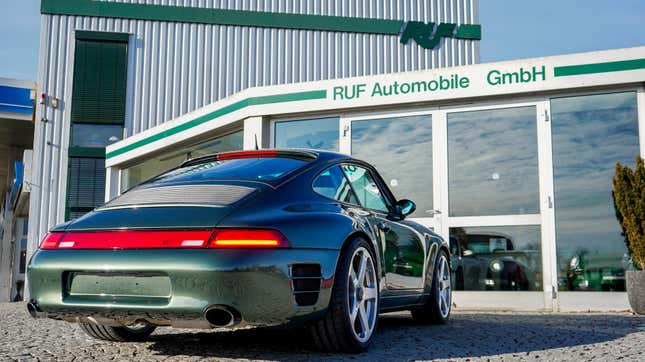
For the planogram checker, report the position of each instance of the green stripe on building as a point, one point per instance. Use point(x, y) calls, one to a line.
point(252, 101)
point(605, 67)
point(220, 16)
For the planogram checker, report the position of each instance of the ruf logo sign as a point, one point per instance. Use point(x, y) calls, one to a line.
point(428, 35)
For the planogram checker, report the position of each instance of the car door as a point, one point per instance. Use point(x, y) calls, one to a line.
point(403, 247)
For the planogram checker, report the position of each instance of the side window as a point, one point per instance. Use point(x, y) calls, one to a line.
point(331, 183)
point(366, 189)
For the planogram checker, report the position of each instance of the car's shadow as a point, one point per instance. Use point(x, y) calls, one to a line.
point(400, 338)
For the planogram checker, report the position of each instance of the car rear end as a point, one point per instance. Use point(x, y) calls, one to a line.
point(160, 255)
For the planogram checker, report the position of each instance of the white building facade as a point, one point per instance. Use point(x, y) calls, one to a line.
point(512, 161)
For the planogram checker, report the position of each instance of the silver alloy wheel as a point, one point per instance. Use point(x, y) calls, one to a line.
point(362, 294)
point(443, 281)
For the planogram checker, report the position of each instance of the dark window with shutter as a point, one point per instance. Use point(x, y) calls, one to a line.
point(98, 94)
point(98, 100)
point(86, 187)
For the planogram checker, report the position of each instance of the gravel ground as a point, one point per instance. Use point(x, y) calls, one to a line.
point(468, 336)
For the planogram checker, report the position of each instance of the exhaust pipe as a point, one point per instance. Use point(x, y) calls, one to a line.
point(34, 311)
point(221, 316)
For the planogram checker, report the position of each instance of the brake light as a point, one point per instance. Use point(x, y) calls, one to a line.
point(135, 239)
point(165, 239)
point(249, 238)
point(247, 154)
point(51, 241)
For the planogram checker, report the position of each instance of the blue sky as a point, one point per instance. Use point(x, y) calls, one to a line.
point(515, 29)
point(511, 30)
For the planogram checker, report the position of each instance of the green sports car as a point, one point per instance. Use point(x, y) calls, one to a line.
point(250, 238)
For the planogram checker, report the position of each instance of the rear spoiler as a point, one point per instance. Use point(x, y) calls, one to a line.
point(302, 155)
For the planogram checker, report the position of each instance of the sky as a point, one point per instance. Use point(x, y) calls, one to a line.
point(511, 29)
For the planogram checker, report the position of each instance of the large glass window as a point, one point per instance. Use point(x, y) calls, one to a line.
point(320, 134)
point(366, 189)
point(496, 258)
point(492, 162)
point(591, 134)
point(401, 150)
point(143, 171)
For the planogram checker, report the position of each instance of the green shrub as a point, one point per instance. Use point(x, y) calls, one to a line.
point(629, 201)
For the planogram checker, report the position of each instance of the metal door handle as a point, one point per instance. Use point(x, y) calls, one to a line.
point(433, 212)
point(384, 227)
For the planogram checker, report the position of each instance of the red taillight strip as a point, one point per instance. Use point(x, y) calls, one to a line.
point(51, 240)
point(131, 239)
point(166, 239)
point(249, 238)
point(247, 154)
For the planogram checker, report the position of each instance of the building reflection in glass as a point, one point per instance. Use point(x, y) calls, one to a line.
point(401, 150)
point(590, 134)
point(493, 162)
point(319, 134)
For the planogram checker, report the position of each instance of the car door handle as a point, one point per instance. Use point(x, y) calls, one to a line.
point(384, 227)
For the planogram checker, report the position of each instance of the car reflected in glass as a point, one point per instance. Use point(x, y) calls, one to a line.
point(490, 261)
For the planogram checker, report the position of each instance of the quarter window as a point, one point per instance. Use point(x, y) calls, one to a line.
point(333, 184)
point(366, 189)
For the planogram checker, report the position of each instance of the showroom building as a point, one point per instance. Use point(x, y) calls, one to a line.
point(511, 161)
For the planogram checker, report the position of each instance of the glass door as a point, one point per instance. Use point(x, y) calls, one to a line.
point(590, 133)
point(497, 200)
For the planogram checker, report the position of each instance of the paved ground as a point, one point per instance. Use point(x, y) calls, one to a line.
point(469, 336)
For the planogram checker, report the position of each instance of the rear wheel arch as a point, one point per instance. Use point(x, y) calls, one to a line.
point(337, 330)
point(375, 249)
point(432, 259)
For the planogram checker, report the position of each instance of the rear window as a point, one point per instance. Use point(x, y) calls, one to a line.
point(255, 169)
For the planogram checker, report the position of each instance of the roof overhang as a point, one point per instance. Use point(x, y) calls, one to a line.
point(437, 86)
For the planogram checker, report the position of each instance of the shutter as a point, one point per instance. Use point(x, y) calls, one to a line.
point(86, 187)
point(100, 72)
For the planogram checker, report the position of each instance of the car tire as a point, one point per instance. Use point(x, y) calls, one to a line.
point(437, 307)
point(118, 334)
point(353, 304)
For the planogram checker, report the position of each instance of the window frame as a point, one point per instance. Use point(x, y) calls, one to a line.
point(80, 152)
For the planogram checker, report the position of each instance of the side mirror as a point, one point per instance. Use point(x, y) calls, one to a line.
point(405, 207)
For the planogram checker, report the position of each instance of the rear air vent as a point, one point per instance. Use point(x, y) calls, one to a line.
point(183, 195)
point(305, 281)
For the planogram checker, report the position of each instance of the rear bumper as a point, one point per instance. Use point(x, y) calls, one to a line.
point(176, 286)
